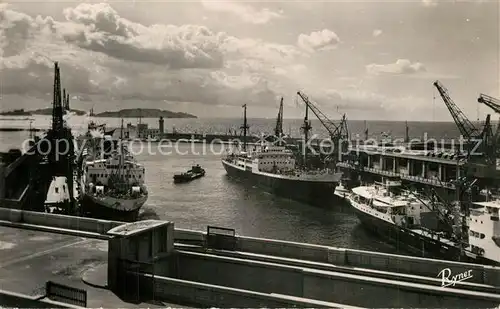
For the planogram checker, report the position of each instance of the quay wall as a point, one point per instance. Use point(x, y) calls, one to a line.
point(196, 293)
point(58, 221)
point(482, 274)
point(16, 300)
point(366, 259)
point(323, 285)
point(488, 275)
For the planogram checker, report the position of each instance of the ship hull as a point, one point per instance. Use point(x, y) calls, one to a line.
point(411, 242)
point(112, 208)
point(318, 193)
point(183, 179)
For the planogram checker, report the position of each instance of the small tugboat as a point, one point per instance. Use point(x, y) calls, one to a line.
point(196, 171)
point(342, 191)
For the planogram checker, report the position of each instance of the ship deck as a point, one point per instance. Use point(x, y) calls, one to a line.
point(28, 259)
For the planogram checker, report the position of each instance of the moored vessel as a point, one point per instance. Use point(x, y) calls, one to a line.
point(342, 191)
point(112, 181)
point(272, 166)
point(402, 218)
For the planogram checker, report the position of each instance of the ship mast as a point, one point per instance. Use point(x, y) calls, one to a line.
point(120, 154)
point(366, 132)
point(278, 131)
point(244, 127)
point(306, 127)
point(407, 136)
point(64, 99)
point(31, 130)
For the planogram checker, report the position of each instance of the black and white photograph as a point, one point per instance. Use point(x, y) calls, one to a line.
point(250, 154)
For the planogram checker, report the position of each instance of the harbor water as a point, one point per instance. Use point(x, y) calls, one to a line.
point(220, 201)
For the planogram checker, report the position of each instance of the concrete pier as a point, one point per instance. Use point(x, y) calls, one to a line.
point(150, 261)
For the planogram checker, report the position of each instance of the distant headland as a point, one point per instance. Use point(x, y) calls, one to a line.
point(123, 113)
point(144, 113)
point(43, 111)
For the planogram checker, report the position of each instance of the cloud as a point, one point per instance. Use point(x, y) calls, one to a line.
point(376, 32)
point(401, 66)
point(99, 28)
point(246, 13)
point(429, 3)
point(318, 40)
point(104, 55)
point(351, 100)
point(109, 61)
point(258, 49)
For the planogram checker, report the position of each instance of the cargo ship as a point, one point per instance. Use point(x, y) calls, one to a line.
point(402, 218)
point(112, 181)
point(424, 162)
point(272, 166)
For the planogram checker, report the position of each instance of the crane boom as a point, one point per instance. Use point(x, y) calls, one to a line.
point(467, 129)
point(336, 131)
point(489, 101)
point(494, 104)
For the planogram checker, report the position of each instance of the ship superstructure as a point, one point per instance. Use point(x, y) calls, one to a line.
point(484, 229)
point(401, 217)
point(272, 166)
point(112, 180)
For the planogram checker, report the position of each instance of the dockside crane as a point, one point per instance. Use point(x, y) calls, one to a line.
point(490, 101)
point(470, 133)
point(57, 107)
point(465, 126)
point(339, 133)
point(494, 104)
point(336, 131)
point(481, 166)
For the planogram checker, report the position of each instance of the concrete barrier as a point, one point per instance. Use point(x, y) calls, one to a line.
point(421, 266)
point(396, 276)
point(195, 293)
point(324, 285)
point(483, 274)
point(58, 221)
point(190, 237)
point(239, 273)
point(283, 248)
point(16, 300)
point(338, 256)
point(382, 293)
point(69, 222)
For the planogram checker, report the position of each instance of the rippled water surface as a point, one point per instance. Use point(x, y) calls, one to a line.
point(217, 200)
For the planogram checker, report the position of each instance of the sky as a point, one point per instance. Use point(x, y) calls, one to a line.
point(371, 60)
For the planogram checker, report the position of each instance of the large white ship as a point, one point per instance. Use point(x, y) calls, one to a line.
point(273, 168)
point(401, 217)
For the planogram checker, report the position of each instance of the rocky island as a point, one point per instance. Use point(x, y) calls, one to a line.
point(144, 113)
point(123, 113)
